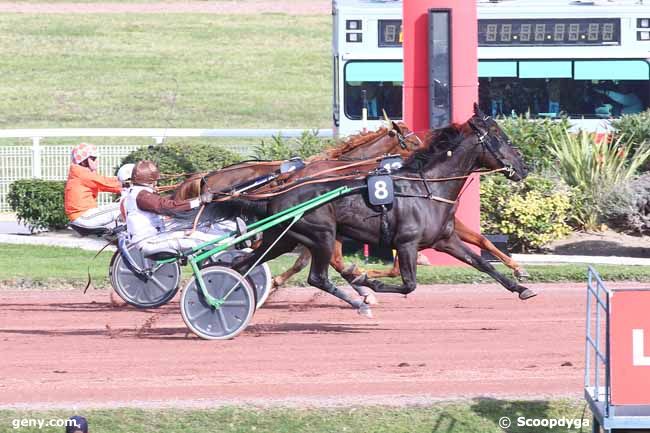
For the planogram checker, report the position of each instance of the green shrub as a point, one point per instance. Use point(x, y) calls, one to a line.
point(593, 165)
point(276, 149)
point(280, 148)
point(634, 125)
point(533, 212)
point(177, 159)
point(627, 207)
point(533, 137)
point(38, 203)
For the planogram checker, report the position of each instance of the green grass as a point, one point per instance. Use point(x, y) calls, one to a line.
point(39, 266)
point(158, 70)
point(476, 416)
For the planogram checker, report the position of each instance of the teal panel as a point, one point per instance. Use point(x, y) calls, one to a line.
point(611, 70)
point(497, 69)
point(374, 71)
point(546, 69)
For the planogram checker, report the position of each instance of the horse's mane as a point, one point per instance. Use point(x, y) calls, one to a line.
point(349, 144)
point(437, 143)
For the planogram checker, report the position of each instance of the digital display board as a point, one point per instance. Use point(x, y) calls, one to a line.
point(513, 32)
point(390, 33)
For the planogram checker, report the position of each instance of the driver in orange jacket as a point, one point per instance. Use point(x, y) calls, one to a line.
point(83, 186)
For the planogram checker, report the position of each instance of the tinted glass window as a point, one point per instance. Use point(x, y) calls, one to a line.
point(377, 85)
point(553, 97)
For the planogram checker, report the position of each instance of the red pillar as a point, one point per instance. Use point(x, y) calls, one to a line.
point(464, 84)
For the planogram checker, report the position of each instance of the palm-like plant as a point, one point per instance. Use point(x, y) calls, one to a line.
point(595, 163)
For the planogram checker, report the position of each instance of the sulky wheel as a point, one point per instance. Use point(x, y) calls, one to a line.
point(227, 320)
point(260, 277)
point(158, 289)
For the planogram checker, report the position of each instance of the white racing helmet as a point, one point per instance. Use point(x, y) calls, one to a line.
point(124, 173)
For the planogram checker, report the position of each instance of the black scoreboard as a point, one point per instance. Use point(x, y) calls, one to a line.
point(553, 32)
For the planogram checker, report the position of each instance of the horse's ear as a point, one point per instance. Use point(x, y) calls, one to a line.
point(388, 124)
point(396, 127)
point(479, 113)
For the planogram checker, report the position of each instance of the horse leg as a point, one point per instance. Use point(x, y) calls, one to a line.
point(393, 272)
point(320, 261)
point(350, 274)
point(301, 263)
point(407, 254)
point(468, 235)
point(456, 248)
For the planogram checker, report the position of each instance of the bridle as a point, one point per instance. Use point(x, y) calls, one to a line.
point(487, 145)
point(403, 139)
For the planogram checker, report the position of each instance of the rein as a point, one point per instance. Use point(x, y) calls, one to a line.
point(355, 176)
point(445, 179)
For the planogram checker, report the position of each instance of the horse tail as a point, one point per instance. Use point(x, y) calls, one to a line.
point(258, 208)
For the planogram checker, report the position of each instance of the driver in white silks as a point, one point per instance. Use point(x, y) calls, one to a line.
point(144, 209)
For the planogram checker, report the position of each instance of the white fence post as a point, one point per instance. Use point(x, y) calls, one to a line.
point(37, 171)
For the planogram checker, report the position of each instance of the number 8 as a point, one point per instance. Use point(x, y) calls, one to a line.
point(381, 192)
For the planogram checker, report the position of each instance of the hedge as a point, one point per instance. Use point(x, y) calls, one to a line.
point(184, 158)
point(38, 203)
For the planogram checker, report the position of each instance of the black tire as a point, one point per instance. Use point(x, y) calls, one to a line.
point(157, 291)
point(226, 321)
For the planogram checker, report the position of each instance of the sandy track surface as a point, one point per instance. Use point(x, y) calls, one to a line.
point(213, 7)
point(63, 348)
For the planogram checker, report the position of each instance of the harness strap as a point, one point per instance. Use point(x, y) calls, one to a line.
point(89, 281)
point(312, 178)
point(343, 167)
point(354, 176)
point(426, 185)
point(428, 197)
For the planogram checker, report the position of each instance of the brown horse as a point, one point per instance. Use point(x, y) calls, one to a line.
point(224, 178)
point(360, 146)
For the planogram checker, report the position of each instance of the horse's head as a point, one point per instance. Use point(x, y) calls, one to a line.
point(498, 150)
point(406, 138)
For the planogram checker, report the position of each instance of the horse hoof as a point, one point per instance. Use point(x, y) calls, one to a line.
point(527, 294)
point(365, 311)
point(349, 270)
point(360, 279)
point(370, 299)
point(521, 275)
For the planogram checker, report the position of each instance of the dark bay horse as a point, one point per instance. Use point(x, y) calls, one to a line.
point(397, 139)
point(415, 220)
point(353, 273)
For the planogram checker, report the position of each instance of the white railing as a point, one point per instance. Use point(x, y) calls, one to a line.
point(51, 162)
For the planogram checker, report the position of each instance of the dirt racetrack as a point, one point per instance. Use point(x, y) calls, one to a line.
point(63, 349)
